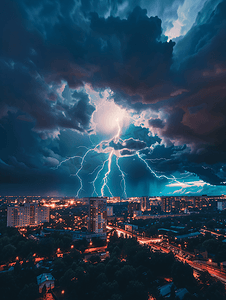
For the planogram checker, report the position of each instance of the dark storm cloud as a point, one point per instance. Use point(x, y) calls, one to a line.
point(117, 45)
point(30, 94)
point(25, 61)
point(28, 162)
point(133, 59)
point(80, 113)
point(127, 152)
point(166, 160)
point(130, 144)
point(156, 123)
point(164, 9)
point(141, 134)
point(46, 43)
point(203, 162)
point(197, 116)
point(126, 55)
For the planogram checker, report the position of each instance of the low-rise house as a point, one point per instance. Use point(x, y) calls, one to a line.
point(165, 291)
point(181, 293)
point(47, 280)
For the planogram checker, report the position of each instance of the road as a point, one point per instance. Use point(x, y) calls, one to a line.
point(180, 255)
point(212, 233)
point(213, 271)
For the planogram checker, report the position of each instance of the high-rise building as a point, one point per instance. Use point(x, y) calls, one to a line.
point(166, 205)
point(109, 211)
point(97, 214)
point(28, 214)
point(221, 205)
point(144, 201)
point(197, 202)
point(132, 206)
point(114, 199)
point(175, 205)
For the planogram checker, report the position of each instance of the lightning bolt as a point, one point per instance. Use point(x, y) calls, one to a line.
point(94, 170)
point(65, 160)
point(123, 177)
point(116, 137)
point(81, 166)
point(102, 148)
point(97, 148)
point(157, 176)
point(157, 159)
point(95, 179)
point(105, 179)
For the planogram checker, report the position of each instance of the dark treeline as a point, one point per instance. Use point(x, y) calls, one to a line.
point(131, 271)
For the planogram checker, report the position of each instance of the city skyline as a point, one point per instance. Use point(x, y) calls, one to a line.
point(58, 244)
point(113, 98)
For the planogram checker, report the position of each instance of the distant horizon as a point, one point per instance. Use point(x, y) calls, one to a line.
point(215, 195)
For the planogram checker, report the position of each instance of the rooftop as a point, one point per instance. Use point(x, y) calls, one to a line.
point(44, 277)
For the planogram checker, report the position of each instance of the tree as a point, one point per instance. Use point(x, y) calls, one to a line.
point(172, 292)
point(216, 291)
point(59, 268)
point(46, 247)
point(29, 292)
point(136, 290)
point(97, 242)
point(116, 251)
point(94, 259)
point(44, 290)
point(9, 252)
point(116, 297)
point(205, 279)
point(211, 245)
point(182, 274)
point(67, 280)
point(124, 275)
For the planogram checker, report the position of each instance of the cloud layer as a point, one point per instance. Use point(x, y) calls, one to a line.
point(51, 50)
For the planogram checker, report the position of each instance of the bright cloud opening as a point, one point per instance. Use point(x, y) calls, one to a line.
point(108, 117)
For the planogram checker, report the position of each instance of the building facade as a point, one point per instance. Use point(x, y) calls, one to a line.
point(166, 204)
point(145, 204)
point(28, 214)
point(47, 280)
point(131, 227)
point(109, 211)
point(221, 205)
point(97, 214)
point(133, 206)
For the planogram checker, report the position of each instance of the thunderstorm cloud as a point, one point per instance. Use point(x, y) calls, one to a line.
point(61, 62)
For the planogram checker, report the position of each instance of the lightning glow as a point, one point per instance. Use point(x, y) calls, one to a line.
point(81, 183)
point(95, 179)
point(103, 147)
point(157, 176)
point(65, 160)
point(94, 170)
point(116, 137)
point(105, 179)
point(123, 177)
point(99, 148)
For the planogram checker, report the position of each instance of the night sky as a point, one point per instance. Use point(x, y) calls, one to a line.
point(123, 98)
